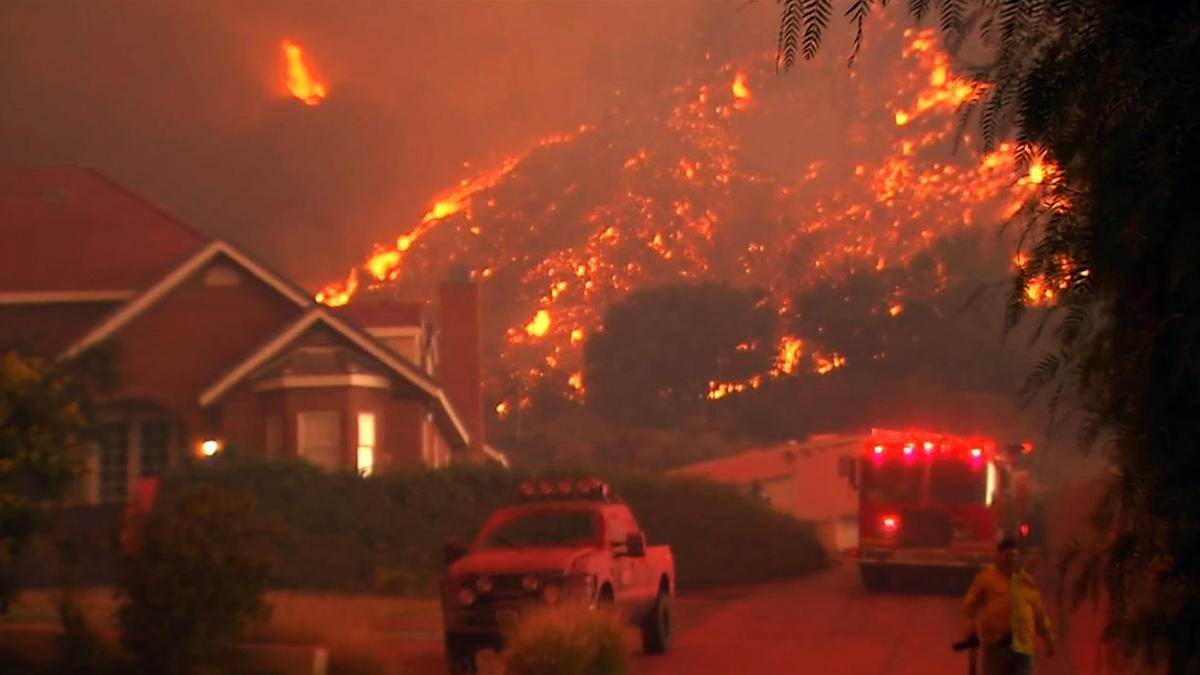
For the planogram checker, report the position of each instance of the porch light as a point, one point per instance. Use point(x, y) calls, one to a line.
point(210, 447)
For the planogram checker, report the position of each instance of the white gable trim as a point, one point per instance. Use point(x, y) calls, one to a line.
point(172, 280)
point(359, 380)
point(384, 356)
point(57, 297)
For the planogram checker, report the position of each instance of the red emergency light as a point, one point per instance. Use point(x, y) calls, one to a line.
point(889, 523)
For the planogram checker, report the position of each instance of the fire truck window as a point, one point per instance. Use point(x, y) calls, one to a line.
point(954, 481)
point(891, 481)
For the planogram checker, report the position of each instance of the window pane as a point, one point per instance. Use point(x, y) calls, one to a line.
point(114, 461)
point(366, 460)
point(955, 481)
point(154, 457)
point(366, 429)
point(319, 437)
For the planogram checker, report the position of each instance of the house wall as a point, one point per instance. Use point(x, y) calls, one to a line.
point(50, 328)
point(179, 345)
point(403, 433)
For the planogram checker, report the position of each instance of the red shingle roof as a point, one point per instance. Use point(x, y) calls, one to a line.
point(73, 229)
point(383, 313)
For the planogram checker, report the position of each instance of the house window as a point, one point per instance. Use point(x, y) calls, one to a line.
point(366, 443)
point(318, 437)
point(156, 437)
point(114, 462)
point(273, 435)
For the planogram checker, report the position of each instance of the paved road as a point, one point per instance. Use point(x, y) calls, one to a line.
point(825, 625)
point(821, 624)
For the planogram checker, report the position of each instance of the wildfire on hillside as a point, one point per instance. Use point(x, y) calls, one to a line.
point(663, 191)
point(299, 81)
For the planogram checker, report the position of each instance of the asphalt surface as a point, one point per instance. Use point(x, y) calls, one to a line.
point(822, 624)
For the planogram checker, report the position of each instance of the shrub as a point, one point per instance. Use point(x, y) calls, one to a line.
point(194, 577)
point(385, 533)
point(568, 640)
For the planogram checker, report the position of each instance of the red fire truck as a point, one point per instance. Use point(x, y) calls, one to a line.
point(936, 502)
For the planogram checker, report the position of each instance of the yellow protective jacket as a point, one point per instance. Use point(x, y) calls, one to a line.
point(997, 606)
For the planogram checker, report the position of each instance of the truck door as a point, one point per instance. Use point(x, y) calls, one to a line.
point(622, 566)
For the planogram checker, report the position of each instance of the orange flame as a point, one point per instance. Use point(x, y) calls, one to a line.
point(540, 325)
point(300, 82)
point(740, 87)
point(790, 350)
point(663, 221)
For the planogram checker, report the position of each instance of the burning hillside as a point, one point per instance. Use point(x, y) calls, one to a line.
point(679, 188)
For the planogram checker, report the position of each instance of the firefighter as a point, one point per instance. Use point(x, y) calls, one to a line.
point(1004, 611)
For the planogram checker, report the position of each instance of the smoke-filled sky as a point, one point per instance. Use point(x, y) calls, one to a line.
point(185, 101)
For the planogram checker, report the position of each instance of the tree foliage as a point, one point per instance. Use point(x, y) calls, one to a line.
point(1107, 90)
point(43, 422)
point(194, 578)
point(659, 350)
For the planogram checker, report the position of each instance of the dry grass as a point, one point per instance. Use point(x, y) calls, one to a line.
point(568, 640)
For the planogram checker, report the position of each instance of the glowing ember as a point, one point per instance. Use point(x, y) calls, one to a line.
point(790, 350)
point(896, 308)
point(299, 81)
point(502, 409)
point(741, 90)
point(828, 364)
point(576, 382)
point(540, 324)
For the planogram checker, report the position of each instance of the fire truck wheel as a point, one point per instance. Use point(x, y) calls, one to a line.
point(656, 627)
point(460, 653)
point(875, 579)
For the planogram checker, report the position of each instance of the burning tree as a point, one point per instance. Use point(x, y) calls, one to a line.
point(1106, 91)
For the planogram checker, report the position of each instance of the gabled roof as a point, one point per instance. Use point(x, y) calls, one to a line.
point(448, 418)
point(147, 298)
point(81, 233)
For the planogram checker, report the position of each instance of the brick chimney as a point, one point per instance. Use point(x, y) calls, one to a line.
point(460, 354)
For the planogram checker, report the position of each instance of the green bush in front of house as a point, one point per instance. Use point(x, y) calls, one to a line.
point(385, 533)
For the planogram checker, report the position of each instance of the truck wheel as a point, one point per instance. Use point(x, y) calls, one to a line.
point(460, 653)
point(874, 578)
point(656, 627)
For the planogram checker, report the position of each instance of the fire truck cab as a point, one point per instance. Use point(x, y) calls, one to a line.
point(935, 502)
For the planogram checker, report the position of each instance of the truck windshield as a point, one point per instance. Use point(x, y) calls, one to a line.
point(542, 529)
point(892, 480)
point(954, 481)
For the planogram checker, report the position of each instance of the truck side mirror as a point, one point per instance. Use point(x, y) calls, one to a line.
point(635, 545)
point(453, 550)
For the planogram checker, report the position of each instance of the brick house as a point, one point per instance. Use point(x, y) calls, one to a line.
point(213, 350)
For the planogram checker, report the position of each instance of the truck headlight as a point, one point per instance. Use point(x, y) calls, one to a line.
point(466, 597)
point(582, 585)
point(483, 585)
point(551, 594)
point(530, 583)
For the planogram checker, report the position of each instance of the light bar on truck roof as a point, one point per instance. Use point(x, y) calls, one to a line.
point(564, 488)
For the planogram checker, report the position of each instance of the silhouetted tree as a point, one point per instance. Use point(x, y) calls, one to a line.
point(1108, 90)
point(659, 350)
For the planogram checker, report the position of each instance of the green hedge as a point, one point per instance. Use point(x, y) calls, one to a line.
point(386, 532)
